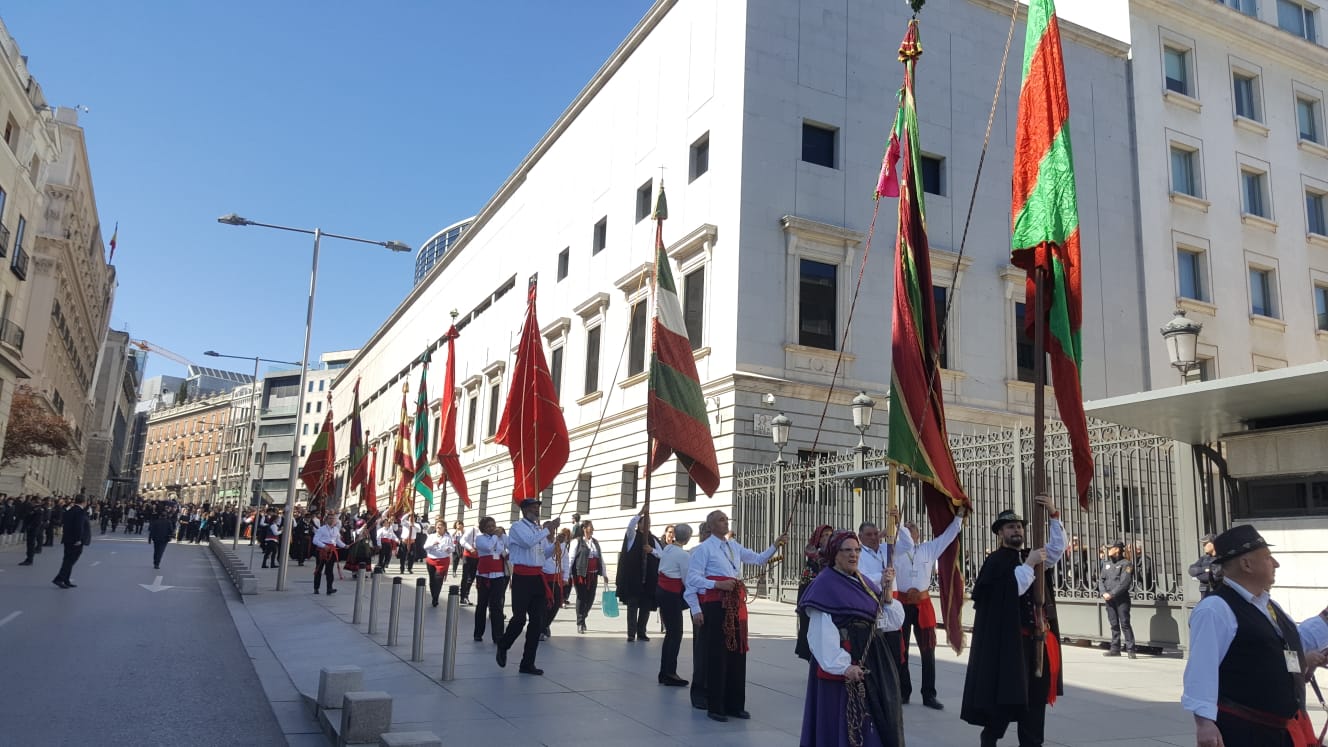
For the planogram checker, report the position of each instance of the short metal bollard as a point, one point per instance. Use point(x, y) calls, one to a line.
point(450, 633)
point(417, 638)
point(373, 600)
point(359, 594)
point(394, 612)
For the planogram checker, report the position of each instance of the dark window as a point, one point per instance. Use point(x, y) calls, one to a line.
point(643, 194)
point(437, 432)
point(1024, 348)
point(601, 236)
point(592, 360)
point(933, 175)
point(484, 497)
point(627, 497)
point(817, 295)
point(818, 145)
point(636, 352)
point(1303, 495)
point(583, 494)
point(693, 309)
point(472, 407)
point(556, 371)
point(564, 259)
point(686, 486)
point(939, 294)
point(698, 161)
point(546, 503)
point(493, 408)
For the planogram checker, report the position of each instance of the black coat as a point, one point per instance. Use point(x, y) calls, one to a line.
point(638, 572)
point(77, 527)
point(161, 529)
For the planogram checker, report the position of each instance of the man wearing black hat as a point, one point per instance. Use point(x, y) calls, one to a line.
point(1245, 678)
point(1113, 584)
point(528, 544)
point(1204, 571)
point(1000, 685)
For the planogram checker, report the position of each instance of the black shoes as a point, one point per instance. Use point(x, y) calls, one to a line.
point(903, 700)
point(740, 714)
point(330, 592)
point(435, 602)
point(315, 590)
point(502, 656)
point(60, 583)
point(1132, 656)
point(479, 639)
point(531, 670)
point(631, 638)
point(1112, 652)
point(642, 638)
point(672, 680)
point(580, 627)
point(26, 562)
point(156, 567)
point(933, 704)
point(716, 716)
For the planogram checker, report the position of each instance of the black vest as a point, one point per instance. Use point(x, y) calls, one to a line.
point(1253, 673)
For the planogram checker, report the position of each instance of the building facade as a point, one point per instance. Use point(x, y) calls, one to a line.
point(769, 120)
point(432, 251)
point(183, 450)
point(115, 397)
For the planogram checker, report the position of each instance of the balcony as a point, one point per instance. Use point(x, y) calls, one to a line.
point(11, 334)
point(19, 265)
point(4, 240)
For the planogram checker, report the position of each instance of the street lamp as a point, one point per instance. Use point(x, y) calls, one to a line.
point(1182, 338)
point(862, 414)
point(253, 425)
point(232, 219)
point(779, 433)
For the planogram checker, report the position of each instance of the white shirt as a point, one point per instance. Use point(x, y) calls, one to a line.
point(871, 563)
point(273, 531)
point(717, 557)
point(493, 546)
point(385, 533)
point(468, 539)
point(1023, 573)
point(438, 546)
point(551, 563)
point(823, 636)
point(673, 562)
point(914, 563)
point(408, 530)
point(528, 543)
point(328, 536)
point(1212, 629)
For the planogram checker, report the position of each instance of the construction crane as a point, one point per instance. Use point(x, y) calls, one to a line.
point(152, 347)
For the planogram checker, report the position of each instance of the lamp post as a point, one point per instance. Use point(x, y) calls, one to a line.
point(862, 416)
point(1182, 338)
point(779, 434)
point(232, 219)
point(253, 426)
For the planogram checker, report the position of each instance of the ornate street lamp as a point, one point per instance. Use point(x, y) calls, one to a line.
point(862, 416)
point(779, 433)
point(1182, 338)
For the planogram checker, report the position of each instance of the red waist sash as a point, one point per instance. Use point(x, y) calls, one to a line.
point(469, 554)
point(593, 567)
point(551, 581)
point(527, 570)
point(439, 564)
point(1298, 727)
point(490, 564)
point(735, 612)
point(670, 584)
point(712, 594)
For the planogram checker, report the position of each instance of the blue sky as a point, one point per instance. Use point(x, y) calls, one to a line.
point(380, 120)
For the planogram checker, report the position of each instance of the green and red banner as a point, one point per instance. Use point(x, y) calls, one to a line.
point(318, 474)
point(919, 442)
point(1045, 224)
point(675, 411)
point(448, 457)
point(369, 493)
point(423, 480)
point(358, 455)
point(402, 471)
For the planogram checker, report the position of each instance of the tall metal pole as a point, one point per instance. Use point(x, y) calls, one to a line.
point(294, 473)
point(248, 456)
point(1038, 522)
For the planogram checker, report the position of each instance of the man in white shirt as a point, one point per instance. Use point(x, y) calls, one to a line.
point(326, 541)
point(490, 578)
point(470, 560)
point(1245, 676)
point(528, 544)
point(717, 599)
point(914, 565)
point(673, 562)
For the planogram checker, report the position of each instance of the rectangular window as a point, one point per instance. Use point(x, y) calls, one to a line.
point(933, 175)
point(1297, 19)
point(685, 486)
point(1321, 308)
point(1307, 119)
point(693, 306)
point(1245, 90)
point(308, 408)
point(583, 494)
point(940, 294)
point(1177, 64)
point(627, 494)
point(1282, 497)
point(493, 407)
point(306, 429)
point(1315, 219)
point(818, 145)
point(1024, 358)
point(601, 237)
point(1190, 275)
point(322, 384)
point(311, 387)
point(1248, 7)
point(698, 159)
point(643, 195)
point(472, 408)
point(19, 230)
point(564, 261)
point(11, 133)
point(592, 360)
point(1253, 186)
point(1261, 293)
point(636, 340)
point(484, 497)
point(1183, 172)
point(437, 433)
point(817, 295)
point(556, 370)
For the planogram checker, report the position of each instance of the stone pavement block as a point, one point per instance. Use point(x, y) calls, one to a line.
point(365, 717)
point(410, 739)
point(335, 682)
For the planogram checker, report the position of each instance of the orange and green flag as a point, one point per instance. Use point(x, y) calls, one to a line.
point(318, 473)
point(1045, 224)
point(423, 479)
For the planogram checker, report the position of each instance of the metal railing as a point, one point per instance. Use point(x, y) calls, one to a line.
point(11, 334)
point(19, 264)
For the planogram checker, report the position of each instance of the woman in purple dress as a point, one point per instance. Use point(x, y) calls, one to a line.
point(853, 686)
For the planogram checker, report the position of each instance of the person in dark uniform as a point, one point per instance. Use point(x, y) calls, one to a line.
point(159, 534)
point(30, 514)
point(1203, 570)
point(77, 535)
point(529, 544)
point(55, 518)
point(1113, 583)
point(638, 574)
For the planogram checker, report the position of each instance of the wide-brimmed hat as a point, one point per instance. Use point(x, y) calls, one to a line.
point(1237, 541)
point(1006, 517)
point(528, 502)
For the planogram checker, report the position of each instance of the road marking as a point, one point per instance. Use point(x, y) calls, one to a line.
point(156, 586)
point(8, 618)
point(96, 562)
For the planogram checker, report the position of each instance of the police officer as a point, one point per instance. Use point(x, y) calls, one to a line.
point(1203, 570)
point(1113, 584)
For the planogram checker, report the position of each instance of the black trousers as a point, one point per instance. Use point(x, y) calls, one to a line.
point(384, 555)
point(72, 552)
point(671, 606)
point(700, 696)
point(585, 597)
point(638, 616)
point(1033, 723)
point(527, 602)
point(270, 547)
point(926, 640)
point(50, 535)
point(490, 603)
point(553, 591)
point(324, 567)
point(34, 542)
point(726, 671)
point(1118, 614)
point(406, 558)
point(158, 550)
point(436, 578)
point(468, 567)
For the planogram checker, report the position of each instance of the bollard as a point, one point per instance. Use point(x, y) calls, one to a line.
point(394, 612)
point(373, 600)
point(417, 638)
point(450, 633)
point(359, 592)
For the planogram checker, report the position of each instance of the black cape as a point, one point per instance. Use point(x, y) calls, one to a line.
point(638, 573)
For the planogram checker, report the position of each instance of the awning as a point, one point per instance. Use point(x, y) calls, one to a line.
point(1207, 411)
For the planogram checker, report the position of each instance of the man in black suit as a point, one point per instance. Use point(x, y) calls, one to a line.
point(77, 535)
point(159, 534)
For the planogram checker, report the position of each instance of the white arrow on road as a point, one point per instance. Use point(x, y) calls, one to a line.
point(156, 586)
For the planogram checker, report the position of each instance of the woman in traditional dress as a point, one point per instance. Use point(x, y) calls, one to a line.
point(812, 564)
point(853, 686)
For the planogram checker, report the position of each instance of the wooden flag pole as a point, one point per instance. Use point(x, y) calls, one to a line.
point(1037, 521)
point(891, 511)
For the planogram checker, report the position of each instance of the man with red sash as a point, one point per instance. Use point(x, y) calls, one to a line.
point(490, 578)
point(529, 545)
point(717, 599)
point(438, 557)
point(1001, 685)
point(1245, 677)
point(470, 562)
point(914, 563)
point(673, 562)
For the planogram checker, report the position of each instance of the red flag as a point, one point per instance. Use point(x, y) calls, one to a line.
point(532, 427)
point(358, 466)
point(447, 448)
point(369, 490)
point(318, 474)
point(402, 467)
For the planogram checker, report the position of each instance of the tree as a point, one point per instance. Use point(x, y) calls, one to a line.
point(33, 430)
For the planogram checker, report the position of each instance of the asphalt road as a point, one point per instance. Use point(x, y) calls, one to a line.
point(113, 663)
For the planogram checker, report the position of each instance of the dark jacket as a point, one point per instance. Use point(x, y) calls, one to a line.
point(1207, 574)
point(1116, 576)
point(161, 529)
point(77, 528)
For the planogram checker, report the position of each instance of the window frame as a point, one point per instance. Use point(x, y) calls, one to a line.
point(698, 158)
point(1315, 105)
point(1308, 20)
point(806, 289)
point(830, 135)
point(1185, 48)
point(1194, 169)
point(1268, 288)
point(629, 485)
point(1254, 93)
point(1251, 176)
point(1200, 271)
point(644, 193)
point(600, 236)
point(564, 263)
